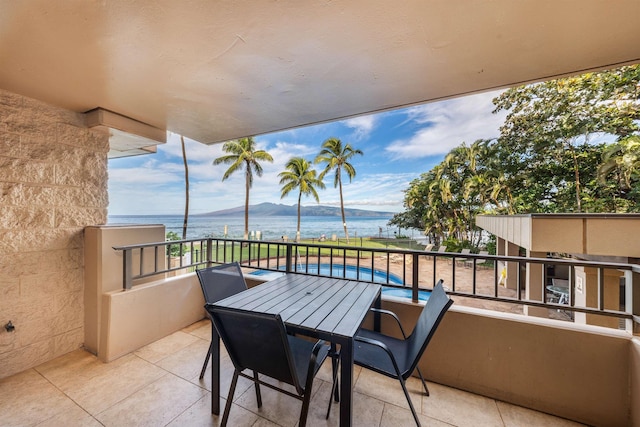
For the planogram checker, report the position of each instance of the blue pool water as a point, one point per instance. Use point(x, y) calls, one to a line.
point(379, 276)
point(405, 293)
point(352, 272)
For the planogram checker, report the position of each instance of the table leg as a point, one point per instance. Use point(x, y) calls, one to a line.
point(215, 372)
point(346, 386)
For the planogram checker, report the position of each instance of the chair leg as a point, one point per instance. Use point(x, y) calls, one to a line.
point(227, 407)
point(206, 361)
point(256, 383)
point(334, 388)
point(305, 408)
point(406, 394)
point(424, 383)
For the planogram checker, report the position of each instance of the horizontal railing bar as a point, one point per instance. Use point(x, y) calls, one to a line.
point(550, 305)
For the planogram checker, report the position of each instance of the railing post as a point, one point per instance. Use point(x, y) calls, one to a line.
point(628, 299)
point(209, 252)
point(127, 269)
point(288, 257)
point(414, 278)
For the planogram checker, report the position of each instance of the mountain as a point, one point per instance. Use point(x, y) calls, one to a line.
point(272, 209)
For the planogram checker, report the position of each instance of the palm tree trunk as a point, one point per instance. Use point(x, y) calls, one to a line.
point(344, 221)
point(246, 206)
point(576, 173)
point(298, 232)
point(186, 188)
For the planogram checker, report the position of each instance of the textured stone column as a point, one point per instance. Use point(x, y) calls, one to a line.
point(53, 183)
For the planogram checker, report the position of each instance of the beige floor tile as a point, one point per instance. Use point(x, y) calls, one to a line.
point(76, 368)
point(199, 415)
point(197, 325)
point(226, 374)
point(153, 405)
point(201, 329)
point(367, 411)
point(460, 408)
point(123, 377)
point(74, 416)
point(394, 416)
point(517, 416)
point(186, 362)
point(264, 423)
point(389, 389)
point(166, 346)
point(276, 407)
point(28, 399)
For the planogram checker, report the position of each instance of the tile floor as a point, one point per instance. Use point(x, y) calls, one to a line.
point(158, 385)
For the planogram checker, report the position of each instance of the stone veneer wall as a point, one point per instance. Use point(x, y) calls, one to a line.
point(53, 183)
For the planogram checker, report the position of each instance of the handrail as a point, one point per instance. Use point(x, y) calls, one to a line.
point(371, 264)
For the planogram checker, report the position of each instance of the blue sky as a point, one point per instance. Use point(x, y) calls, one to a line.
point(398, 146)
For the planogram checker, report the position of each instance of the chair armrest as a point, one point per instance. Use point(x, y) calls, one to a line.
point(311, 371)
point(392, 314)
point(384, 347)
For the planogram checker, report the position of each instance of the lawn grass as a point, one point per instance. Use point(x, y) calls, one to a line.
point(363, 247)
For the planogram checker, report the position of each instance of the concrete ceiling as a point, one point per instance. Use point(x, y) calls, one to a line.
point(216, 70)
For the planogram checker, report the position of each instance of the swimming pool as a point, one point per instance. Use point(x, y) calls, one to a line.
point(352, 272)
point(379, 276)
point(404, 293)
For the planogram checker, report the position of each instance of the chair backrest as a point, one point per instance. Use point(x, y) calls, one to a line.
point(442, 248)
point(256, 341)
point(432, 313)
point(221, 281)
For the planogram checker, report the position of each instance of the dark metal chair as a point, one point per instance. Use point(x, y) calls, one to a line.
point(217, 283)
point(398, 358)
point(259, 342)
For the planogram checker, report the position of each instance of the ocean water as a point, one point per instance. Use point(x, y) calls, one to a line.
point(270, 228)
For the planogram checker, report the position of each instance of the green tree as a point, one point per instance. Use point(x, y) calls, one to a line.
point(444, 201)
point(552, 121)
point(336, 156)
point(243, 155)
point(300, 175)
point(619, 174)
point(623, 160)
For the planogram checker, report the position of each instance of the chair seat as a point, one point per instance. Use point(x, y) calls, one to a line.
point(376, 359)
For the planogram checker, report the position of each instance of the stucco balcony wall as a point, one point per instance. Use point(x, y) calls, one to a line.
point(584, 373)
point(137, 317)
point(53, 183)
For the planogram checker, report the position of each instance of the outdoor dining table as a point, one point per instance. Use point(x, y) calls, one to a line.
point(325, 308)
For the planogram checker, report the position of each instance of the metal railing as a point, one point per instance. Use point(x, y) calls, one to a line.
point(398, 268)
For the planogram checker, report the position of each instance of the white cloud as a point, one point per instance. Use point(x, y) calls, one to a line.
point(370, 191)
point(362, 126)
point(447, 124)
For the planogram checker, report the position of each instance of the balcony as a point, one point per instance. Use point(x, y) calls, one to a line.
point(495, 342)
point(158, 385)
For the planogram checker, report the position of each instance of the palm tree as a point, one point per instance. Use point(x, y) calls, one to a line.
point(243, 154)
point(336, 156)
point(300, 175)
point(186, 188)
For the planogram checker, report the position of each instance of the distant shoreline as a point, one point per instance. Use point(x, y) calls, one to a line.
point(263, 210)
point(378, 215)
